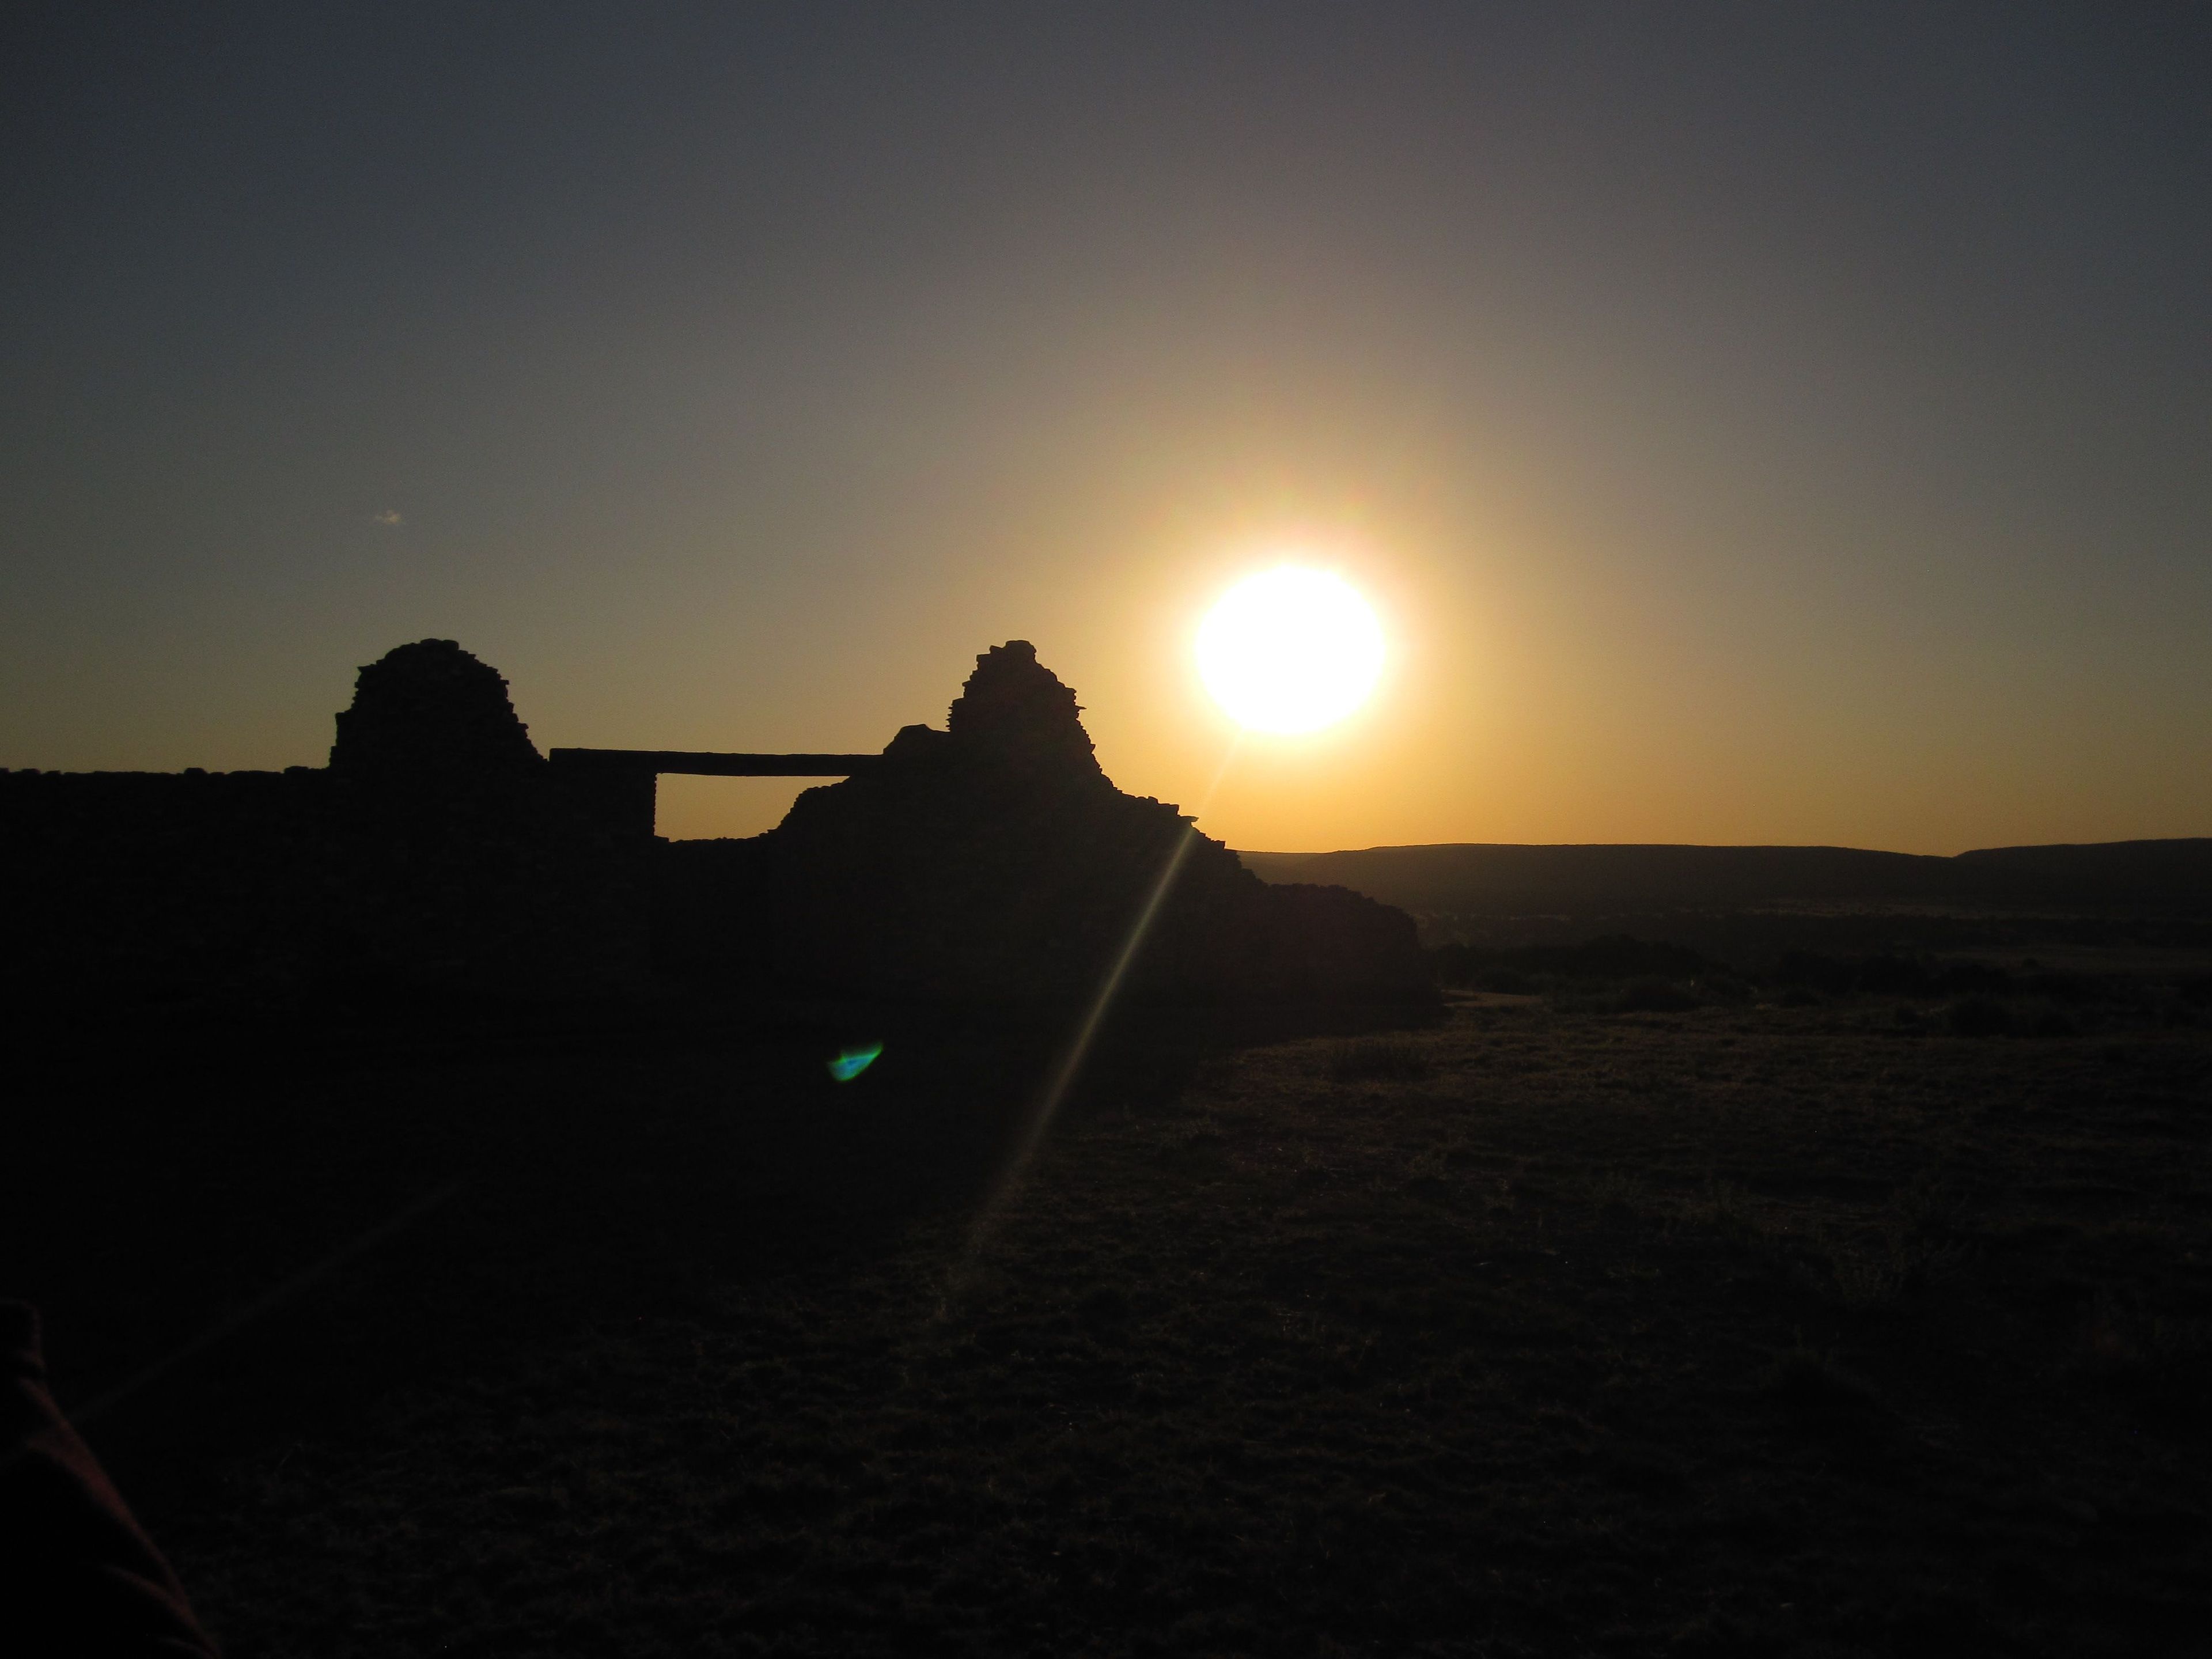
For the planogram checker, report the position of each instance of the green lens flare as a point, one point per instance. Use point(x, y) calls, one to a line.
point(853, 1061)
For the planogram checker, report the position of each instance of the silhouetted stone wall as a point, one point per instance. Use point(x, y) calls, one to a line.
point(161, 884)
point(435, 854)
point(995, 862)
point(431, 723)
point(460, 861)
point(439, 853)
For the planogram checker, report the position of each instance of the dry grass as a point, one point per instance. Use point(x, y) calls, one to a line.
point(1722, 1331)
point(1391, 1058)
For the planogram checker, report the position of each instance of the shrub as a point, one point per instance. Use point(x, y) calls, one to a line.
point(1526, 967)
point(1657, 996)
point(1808, 970)
point(1818, 1396)
point(1980, 1017)
point(1977, 978)
point(1380, 1060)
point(1889, 975)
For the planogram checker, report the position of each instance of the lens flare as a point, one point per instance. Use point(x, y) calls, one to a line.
point(852, 1062)
point(1290, 650)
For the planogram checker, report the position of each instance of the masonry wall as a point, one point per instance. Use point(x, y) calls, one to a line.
point(159, 884)
point(267, 885)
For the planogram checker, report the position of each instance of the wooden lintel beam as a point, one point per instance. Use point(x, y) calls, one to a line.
point(705, 763)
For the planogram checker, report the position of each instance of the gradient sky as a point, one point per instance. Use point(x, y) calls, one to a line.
point(1761, 423)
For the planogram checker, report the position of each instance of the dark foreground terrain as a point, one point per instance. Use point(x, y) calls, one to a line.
point(1551, 1329)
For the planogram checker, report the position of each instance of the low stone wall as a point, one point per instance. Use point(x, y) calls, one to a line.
point(161, 885)
point(437, 853)
point(260, 885)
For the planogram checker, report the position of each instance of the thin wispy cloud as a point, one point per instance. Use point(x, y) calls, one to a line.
point(389, 517)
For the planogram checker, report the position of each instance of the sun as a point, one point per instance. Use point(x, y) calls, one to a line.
point(1292, 649)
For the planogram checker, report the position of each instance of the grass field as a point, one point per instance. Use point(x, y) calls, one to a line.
point(1547, 1330)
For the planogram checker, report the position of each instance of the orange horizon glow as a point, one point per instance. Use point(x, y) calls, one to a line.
point(1540, 689)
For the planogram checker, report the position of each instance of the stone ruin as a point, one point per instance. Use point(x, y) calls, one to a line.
point(429, 721)
point(459, 862)
point(439, 854)
point(995, 861)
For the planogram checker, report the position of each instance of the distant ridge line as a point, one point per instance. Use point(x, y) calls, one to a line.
point(1504, 877)
point(1716, 847)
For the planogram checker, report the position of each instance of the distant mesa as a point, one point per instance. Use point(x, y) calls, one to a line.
point(439, 854)
point(1455, 888)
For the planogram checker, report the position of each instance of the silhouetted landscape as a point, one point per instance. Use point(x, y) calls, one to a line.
point(440, 854)
point(1461, 893)
point(1824, 1258)
point(1143, 832)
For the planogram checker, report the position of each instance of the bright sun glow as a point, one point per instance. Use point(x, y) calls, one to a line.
point(1292, 650)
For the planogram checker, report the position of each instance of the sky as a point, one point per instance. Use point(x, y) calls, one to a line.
point(1760, 423)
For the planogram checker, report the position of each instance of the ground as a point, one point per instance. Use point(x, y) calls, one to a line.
point(1544, 1329)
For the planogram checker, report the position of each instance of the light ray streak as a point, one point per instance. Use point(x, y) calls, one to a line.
point(262, 1305)
point(1070, 1066)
